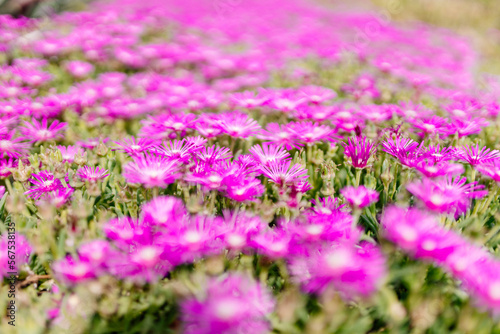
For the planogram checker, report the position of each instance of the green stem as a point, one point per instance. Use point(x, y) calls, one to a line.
point(358, 176)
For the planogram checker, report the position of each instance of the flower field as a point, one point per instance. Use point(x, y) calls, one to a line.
point(246, 167)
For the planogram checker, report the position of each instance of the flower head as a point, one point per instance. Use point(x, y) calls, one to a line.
point(92, 174)
point(359, 197)
point(230, 304)
point(359, 149)
point(42, 131)
point(151, 171)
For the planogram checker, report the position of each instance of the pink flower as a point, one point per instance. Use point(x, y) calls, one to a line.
point(446, 196)
point(151, 171)
point(317, 94)
point(359, 197)
point(238, 125)
point(92, 174)
point(41, 131)
point(280, 135)
point(44, 182)
point(269, 153)
point(17, 245)
point(352, 270)
point(133, 146)
point(491, 170)
point(282, 173)
point(475, 156)
point(359, 149)
point(79, 69)
point(230, 304)
point(69, 152)
point(72, 271)
point(13, 147)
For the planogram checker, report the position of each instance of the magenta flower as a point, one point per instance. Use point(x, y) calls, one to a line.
point(17, 244)
point(446, 196)
point(69, 152)
point(280, 135)
point(12, 147)
point(282, 173)
point(352, 270)
point(212, 154)
point(274, 244)
point(359, 149)
point(134, 147)
point(249, 99)
point(269, 153)
point(439, 169)
point(359, 197)
point(405, 150)
point(238, 125)
point(178, 150)
point(42, 131)
point(79, 69)
point(91, 174)
point(309, 132)
point(438, 153)
point(57, 198)
point(317, 94)
point(72, 271)
point(475, 156)
point(5, 167)
point(162, 210)
point(142, 264)
point(44, 182)
point(491, 170)
point(418, 233)
point(229, 304)
point(151, 171)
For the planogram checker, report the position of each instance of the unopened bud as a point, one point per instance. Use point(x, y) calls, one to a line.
point(101, 149)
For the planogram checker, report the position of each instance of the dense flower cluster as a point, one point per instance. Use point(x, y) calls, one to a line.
point(242, 167)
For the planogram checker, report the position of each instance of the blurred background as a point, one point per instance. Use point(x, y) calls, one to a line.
point(477, 19)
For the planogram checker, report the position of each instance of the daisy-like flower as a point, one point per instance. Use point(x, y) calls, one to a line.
point(69, 152)
point(405, 150)
point(22, 251)
point(238, 125)
point(491, 170)
point(476, 156)
point(211, 154)
point(177, 150)
point(230, 304)
point(286, 100)
point(133, 146)
point(11, 146)
point(268, 153)
point(359, 149)
point(91, 174)
point(72, 271)
point(352, 270)
point(151, 171)
point(56, 198)
point(281, 173)
point(79, 69)
point(438, 154)
point(310, 133)
point(317, 94)
point(280, 135)
point(42, 131)
point(249, 99)
point(5, 167)
point(44, 182)
point(432, 170)
point(359, 197)
point(446, 196)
